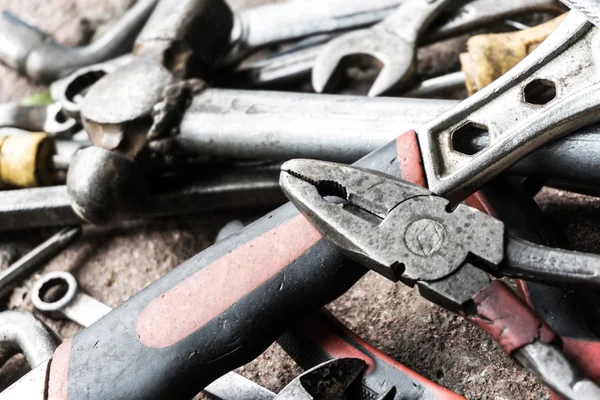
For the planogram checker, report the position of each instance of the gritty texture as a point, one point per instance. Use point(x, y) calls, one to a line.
point(113, 263)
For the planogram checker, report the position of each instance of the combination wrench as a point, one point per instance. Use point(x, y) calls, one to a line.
point(393, 42)
point(291, 66)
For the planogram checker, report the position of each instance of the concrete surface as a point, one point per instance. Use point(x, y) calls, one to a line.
point(113, 263)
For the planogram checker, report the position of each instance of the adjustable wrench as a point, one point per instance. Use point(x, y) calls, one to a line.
point(33, 53)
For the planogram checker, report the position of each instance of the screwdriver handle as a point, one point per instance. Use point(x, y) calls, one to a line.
point(218, 310)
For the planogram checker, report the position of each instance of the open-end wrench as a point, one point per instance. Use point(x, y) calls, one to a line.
point(260, 26)
point(393, 42)
point(33, 53)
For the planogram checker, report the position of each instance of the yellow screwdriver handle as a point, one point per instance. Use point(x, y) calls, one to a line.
point(26, 160)
point(489, 56)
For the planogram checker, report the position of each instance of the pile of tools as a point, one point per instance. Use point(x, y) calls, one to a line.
point(172, 111)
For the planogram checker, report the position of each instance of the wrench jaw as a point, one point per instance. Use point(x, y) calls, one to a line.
point(395, 55)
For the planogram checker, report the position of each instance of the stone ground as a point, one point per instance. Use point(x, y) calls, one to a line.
point(113, 263)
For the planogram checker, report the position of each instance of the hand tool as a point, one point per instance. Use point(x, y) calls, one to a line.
point(291, 66)
point(36, 55)
point(209, 189)
point(403, 232)
point(273, 23)
point(10, 277)
point(281, 126)
point(182, 40)
point(70, 90)
point(26, 160)
point(21, 332)
point(392, 42)
point(320, 337)
point(49, 119)
point(85, 310)
point(590, 9)
point(72, 303)
point(257, 27)
point(330, 127)
point(287, 273)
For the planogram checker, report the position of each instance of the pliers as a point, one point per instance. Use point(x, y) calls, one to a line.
point(406, 233)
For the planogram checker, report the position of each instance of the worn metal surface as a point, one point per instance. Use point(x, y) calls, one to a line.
point(516, 120)
point(393, 42)
point(115, 262)
point(35, 54)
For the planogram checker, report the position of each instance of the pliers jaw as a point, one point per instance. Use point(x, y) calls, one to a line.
point(346, 204)
point(394, 227)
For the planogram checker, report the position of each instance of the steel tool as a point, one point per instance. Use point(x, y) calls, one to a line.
point(274, 23)
point(403, 232)
point(73, 303)
point(323, 379)
point(288, 272)
point(590, 9)
point(295, 64)
point(70, 90)
point(35, 54)
point(257, 27)
point(182, 40)
point(21, 332)
point(49, 119)
point(393, 42)
point(210, 189)
point(10, 276)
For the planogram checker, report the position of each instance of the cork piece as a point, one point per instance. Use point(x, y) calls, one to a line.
point(490, 56)
point(26, 160)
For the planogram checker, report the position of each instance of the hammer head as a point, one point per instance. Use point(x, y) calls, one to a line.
point(104, 185)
